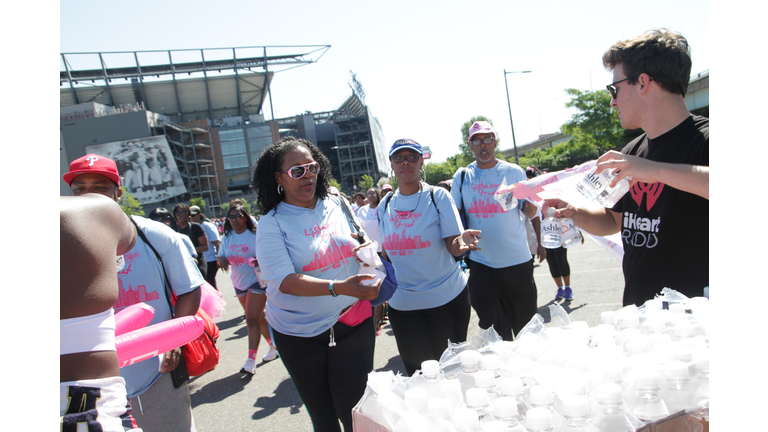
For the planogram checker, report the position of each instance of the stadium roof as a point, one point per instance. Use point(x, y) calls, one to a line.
point(208, 83)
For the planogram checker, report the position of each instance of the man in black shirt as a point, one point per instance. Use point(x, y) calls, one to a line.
point(664, 219)
point(195, 232)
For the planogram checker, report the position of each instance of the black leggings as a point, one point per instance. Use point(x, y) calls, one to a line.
point(330, 380)
point(558, 262)
point(423, 334)
point(210, 276)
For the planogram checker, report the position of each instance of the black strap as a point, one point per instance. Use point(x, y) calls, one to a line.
point(461, 194)
point(167, 282)
point(348, 211)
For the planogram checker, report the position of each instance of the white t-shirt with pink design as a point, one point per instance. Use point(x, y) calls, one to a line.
point(315, 242)
point(370, 223)
point(237, 249)
point(413, 234)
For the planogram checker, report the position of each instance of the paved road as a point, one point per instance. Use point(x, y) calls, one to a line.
point(226, 400)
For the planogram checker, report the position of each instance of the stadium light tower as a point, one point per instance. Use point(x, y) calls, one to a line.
point(514, 143)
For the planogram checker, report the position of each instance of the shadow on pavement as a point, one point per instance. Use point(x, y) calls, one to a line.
point(217, 391)
point(395, 364)
point(223, 325)
point(285, 396)
point(567, 305)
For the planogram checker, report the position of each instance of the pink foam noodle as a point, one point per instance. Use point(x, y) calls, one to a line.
point(147, 342)
point(211, 301)
point(133, 317)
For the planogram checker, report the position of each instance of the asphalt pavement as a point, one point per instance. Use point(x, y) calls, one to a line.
point(226, 400)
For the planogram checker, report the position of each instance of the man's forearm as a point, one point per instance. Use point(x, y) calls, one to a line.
point(689, 178)
point(188, 304)
point(601, 222)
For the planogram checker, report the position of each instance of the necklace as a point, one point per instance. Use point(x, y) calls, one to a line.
point(394, 204)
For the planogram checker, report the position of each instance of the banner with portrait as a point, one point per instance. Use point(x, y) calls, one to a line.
point(146, 166)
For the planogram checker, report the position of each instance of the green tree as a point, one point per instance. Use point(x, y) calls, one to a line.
point(225, 208)
point(335, 183)
point(130, 204)
point(437, 172)
point(366, 183)
point(198, 202)
point(596, 123)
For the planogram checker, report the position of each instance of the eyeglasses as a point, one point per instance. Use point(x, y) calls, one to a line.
point(235, 217)
point(160, 218)
point(411, 158)
point(299, 171)
point(371, 193)
point(612, 86)
point(181, 212)
point(477, 142)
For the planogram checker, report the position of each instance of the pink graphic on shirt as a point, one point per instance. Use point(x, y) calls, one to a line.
point(333, 256)
point(131, 296)
point(485, 208)
point(483, 188)
point(237, 260)
point(129, 259)
point(404, 219)
point(650, 190)
point(396, 244)
point(239, 248)
point(325, 231)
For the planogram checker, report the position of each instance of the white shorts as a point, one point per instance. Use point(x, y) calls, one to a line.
point(95, 404)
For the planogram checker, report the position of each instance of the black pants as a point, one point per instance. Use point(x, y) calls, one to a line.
point(504, 298)
point(558, 262)
point(330, 380)
point(210, 276)
point(423, 334)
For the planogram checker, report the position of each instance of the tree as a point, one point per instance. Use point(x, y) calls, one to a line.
point(366, 182)
point(596, 123)
point(198, 202)
point(437, 172)
point(335, 183)
point(129, 203)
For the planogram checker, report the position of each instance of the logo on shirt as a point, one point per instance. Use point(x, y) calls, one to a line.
point(651, 191)
point(639, 231)
point(404, 219)
point(483, 188)
point(323, 231)
point(239, 248)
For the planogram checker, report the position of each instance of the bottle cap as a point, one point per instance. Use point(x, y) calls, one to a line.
point(495, 426)
point(477, 397)
point(538, 419)
point(541, 394)
point(550, 212)
point(676, 371)
point(576, 406)
point(608, 393)
point(430, 368)
point(469, 357)
point(647, 379)
point(505, 407)
point(612, 372)
point(489, 362)
point(511, 386)
point(484, 379)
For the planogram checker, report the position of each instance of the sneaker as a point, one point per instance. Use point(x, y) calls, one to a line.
point(560, 293)
point(249, 366)
point(271, 355)
point(568, 293)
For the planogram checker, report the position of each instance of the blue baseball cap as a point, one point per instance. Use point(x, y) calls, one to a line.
point(405, 143)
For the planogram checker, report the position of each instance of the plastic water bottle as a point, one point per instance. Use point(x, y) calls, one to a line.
point(542, 396)
point(677, 393)
point(431, 377)
point(491, 363)
point(551, 231)
point(484, 380)
point(539, 420)
point(648, 406)
point(609, 196)
point(495, 426)
point(477, 399)
point(571, 236)
point(609, 416)
point(576, 413)
point(513, 387)
point(700, 384)
point(505, 410)
point(465, 420)
point(469, 367)
point(592, 184)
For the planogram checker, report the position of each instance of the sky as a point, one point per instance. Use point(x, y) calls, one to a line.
point(426, 67)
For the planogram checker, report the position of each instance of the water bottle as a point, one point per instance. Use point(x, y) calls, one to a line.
point(609, 196)
point(469, 367)
point(677, 393)
point(551, 231)
point(542, 396)
point(484, 380)
point(505, 410)
point(700, 384)
point(417, 398)
point(495, 426)
point(648, 406)
point(592, 184)
point(465, 420)
point(491, 362)
point(513, 387)
point(571, 236)
point(477, 399)
point(431, 377)
point(576, 413)
point(610, 416)
point(539, 420)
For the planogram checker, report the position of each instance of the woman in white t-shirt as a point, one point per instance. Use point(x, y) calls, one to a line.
point(238, 252)
point(421, 234)
point(318, 309)
point(369, 217)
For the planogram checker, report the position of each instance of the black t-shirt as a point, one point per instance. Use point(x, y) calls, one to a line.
point(195, 231)
point(665, 231)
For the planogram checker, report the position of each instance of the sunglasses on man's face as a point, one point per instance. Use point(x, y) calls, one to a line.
point(299, 171)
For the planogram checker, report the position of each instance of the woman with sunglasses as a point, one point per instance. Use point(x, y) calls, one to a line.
point(307, 250)
point(238, 247)
point(162, 215)
point(195, 232)
point(421, 234)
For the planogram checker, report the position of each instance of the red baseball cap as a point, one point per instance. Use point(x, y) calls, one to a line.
point(92, 163)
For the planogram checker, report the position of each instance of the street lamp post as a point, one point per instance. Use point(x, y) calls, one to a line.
point(514, 143)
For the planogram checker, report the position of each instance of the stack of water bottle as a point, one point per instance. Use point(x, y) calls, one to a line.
point(640, 365)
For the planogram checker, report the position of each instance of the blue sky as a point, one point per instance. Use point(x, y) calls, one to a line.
point(426, 67)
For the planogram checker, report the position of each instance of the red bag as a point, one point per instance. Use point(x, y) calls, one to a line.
point(357, 313)
point(201, 355)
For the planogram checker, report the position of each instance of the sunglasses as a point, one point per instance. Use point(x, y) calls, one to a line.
point(160, 219)
point(235, 217)
point(612, 86)
point(477, 142)
point(181, 212)
point(411, 158)
point(299, 171)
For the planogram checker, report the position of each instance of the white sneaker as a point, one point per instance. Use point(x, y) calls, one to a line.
point(271, 355)
point(249, 366)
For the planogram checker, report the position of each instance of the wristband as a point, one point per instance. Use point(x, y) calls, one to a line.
point(330, 288)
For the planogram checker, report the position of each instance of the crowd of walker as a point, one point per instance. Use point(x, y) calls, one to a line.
point(306, 302)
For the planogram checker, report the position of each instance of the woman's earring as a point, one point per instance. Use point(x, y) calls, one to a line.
point(391, 174)
point(279, 190)
point(425, 174)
